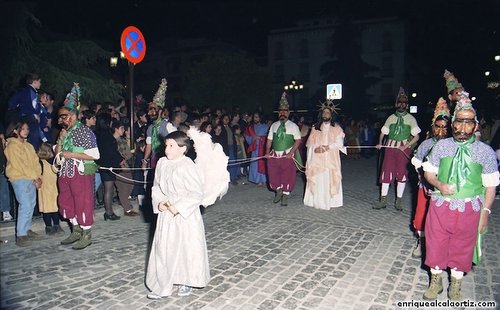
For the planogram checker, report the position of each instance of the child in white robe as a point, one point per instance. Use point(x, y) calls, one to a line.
point(179, 252)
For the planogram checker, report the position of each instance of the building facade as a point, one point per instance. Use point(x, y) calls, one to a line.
point(298, 53)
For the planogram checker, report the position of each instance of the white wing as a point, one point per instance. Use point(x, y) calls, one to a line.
point(212, 164)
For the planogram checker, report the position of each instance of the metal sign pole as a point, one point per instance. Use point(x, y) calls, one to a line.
point(131, 92)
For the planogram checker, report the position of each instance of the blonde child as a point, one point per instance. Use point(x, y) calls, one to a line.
point(23, 171)
point(179, 252)
point(47, 193)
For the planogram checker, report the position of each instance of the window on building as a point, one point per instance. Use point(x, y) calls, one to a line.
point(303, 48)
point(387, 68)
point(196, 59)
point(174, 84)
point(278, 50)
point(303, 98)
point(173, 65)
point(328, 47)
point(386, 92)
point(304, 75)
point(279, 74)
point(387, 42)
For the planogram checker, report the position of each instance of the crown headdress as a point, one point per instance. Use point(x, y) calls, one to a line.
point(328, 104)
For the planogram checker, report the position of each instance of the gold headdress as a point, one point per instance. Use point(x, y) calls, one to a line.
point(328, 104)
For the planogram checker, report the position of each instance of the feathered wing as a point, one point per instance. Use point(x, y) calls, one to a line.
point(212, 164)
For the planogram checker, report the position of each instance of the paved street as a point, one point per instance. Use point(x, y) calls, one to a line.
point(261, 257)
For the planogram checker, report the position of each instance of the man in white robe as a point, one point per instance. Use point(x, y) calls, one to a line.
point(323, 170)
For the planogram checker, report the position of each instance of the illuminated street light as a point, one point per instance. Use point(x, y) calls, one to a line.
point(122, 55)
point(487, 73)
point(293, 87)
point(473, 98)
point(414, 95)
point(113, 61)
point(497, 58)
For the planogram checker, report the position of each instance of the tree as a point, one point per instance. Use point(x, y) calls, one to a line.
point(28, 47)
point(227, 80)
point(348, 68)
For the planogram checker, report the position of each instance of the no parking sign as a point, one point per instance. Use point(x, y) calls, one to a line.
point(133, 44)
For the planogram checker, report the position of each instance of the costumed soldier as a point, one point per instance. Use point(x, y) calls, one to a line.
point(157, 131)
point(284, 138)
point(402, 131)
point(77, 146)
point(439, 130)
point(464, 173)
point(154, 150)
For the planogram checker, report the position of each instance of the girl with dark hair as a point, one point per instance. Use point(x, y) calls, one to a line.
point(110, 157)
point(24, 172)
point(179, 250)
point(124, 184)
point(206, 127)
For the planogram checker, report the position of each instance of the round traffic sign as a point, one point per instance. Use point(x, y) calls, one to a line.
point(133, 44)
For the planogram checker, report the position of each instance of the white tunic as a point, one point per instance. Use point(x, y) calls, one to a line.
point(319, 166)
point(179, 250)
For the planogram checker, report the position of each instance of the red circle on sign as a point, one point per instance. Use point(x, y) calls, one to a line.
point(133, 44)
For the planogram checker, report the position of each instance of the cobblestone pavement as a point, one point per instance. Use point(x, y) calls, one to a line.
point(262, 256)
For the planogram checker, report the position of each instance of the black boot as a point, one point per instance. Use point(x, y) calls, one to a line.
point(278, 195)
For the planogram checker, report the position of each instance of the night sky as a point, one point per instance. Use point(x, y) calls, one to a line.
point(245, 23)
point(237, 20)
point(461, 35)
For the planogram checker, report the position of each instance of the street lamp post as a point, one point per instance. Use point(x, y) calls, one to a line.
point(113, 62)
point(293, 88)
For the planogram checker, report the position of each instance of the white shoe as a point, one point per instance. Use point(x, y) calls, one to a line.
point(184, 291)
point(7, 216)
point(153, 296)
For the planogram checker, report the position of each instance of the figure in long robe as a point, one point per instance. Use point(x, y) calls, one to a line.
point(256, 136)
point(179, 251)
point(323, 168)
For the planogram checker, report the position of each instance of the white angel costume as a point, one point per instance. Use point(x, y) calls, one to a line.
point(179, 250)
